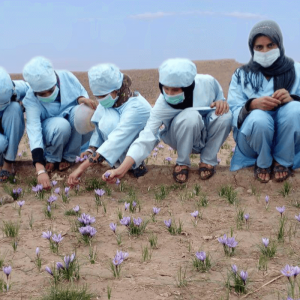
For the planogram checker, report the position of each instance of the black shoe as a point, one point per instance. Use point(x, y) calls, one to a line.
point(140, 171)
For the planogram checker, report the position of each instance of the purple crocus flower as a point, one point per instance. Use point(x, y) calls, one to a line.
point(88, 230)
point(86, 219)
point(195, 214)
point(234, 269)
point(47, 235)
point(265, 242)
point(57, 191)
point(57, 238)
point(223, 239)
point(77, 159)
point(106, 175)
point(118, 181)
point(296, 271)
point(201, 255)
point(117, 260)
point(21, 203)
point(19, 154)
point(7, 271)
point(155, 149)
point(280, 209)
point(127, 205)
point(49, 270)
point(54, 183)
point(37, 251)
point(49, 208)
point(125, 221)
point(67, 260)
point(288, 271)
point(170, 149)
point(244, 276)
point(160, 146)
point(298, 217)
point(52, 199)
point(73, 256)
point(168, 158)
point(133, 204)
point(233, 149)
point(168, 223)
point(76, 208)
point(17, 191)
point(99, 192)
point(113, 227)
point(137, 222)
point(156, 210)
point(67, 189)
point(231, 242)
point(267, 199)
point(154, 154)
point(246, 216)
point(219, 160)
point(59, 266)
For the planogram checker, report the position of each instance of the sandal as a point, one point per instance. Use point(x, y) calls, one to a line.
point(68, 164)
point(140, 171)
point(51, 166)
point(258, 170)
point(7, 175)
point(181, 172)
point(211, 172)
point(281, 169)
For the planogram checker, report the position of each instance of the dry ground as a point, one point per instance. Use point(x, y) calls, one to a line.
point(156, 278)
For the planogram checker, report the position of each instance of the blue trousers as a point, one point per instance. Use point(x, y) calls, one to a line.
point(61, 139)
point(190, 132)
point(12, 123)
point(269, 135)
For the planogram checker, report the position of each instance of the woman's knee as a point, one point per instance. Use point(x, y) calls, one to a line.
point(188, 119)
point(3, 143)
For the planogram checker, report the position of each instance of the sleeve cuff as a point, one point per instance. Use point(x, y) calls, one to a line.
point(38, 156)
point(295, 97)
point(244, 112)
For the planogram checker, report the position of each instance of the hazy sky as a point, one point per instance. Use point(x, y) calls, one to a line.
point(137, 34)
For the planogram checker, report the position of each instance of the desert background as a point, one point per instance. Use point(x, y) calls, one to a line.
point(158, 277)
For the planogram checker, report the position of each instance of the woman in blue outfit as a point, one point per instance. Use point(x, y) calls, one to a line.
point(119, 118)
point(264, 99)
point(185, 108)
point(51, 103)
point(12, 124)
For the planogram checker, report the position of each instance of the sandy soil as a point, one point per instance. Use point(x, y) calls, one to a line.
point(156, 278)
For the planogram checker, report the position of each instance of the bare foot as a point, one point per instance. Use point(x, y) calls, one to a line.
point(64, 165)
point(181, 177)
point(50, 167)
point(264, 177)
point(279, 175)
point(205, 174)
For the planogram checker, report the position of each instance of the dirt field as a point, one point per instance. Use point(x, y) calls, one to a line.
point(157, 278)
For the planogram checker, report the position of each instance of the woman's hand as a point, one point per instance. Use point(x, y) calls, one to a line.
point(111, 176)
point(44, 180)
point(264, 103)
point(283, 96)
point(89, 102)
point(222, 107)
point(74, 177)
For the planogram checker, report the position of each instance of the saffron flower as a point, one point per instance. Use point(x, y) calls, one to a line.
point(298, 217)
point(160, 146)
point(86, 219)
point(76, 208)
point(118, 181)
point(267, 199)
point(244, 276)
point(37, 251)
point(99, 192)
point(52, 199)
point(223, 239)
point(47, 235)
point(265, 242)
point(155, 149)
point(219, 160)
point(7, 271)
point(49, 208)
point(234, 269)
point(288, 271)
point(59, 266)
point(88, 230)
point(201, 255)
point(57, 238)
point(168, 223)
point(280, 209)
point(170, 149)
point(77, 159)
point(168, 158)
point(57, 191)
point(127, 205)
point(133, 204)
point(195, 214)
point(137, 222)
point(113, 227)
point(21, 203)
point(156, 210)
point(125, 221)
point(106, 175)
point(231, 242)
point(246, 216)
point(54, 183)
point(67, 189)
point(296, 271)
point(154, 154)
point(49, 270)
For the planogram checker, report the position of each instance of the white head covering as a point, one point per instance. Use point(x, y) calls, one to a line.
point(177, 72)
point(104, 79)
point(6, 86)
point(40, 74)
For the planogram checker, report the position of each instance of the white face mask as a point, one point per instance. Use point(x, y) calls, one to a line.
point(266, 59)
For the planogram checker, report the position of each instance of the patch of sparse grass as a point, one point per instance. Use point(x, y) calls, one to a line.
point(239, 219)
point(10, 229)
point(153, 240)
point(146, 254)
point(286, 189)
point(181, 278)
point(227, 192)
point(162, 193)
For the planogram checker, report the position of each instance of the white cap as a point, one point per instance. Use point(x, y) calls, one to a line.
point(104, 79)
point(40, 74)
point(177, 72)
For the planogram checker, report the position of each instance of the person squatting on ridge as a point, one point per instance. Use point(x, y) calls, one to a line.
point(50, 104)
point(264, 99)
point(185, 128)
point(11, 122)
point(119, 118)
